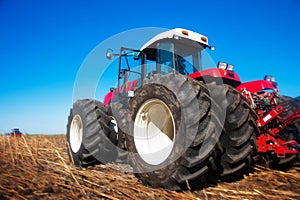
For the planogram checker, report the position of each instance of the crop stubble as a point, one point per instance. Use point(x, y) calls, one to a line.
point(38, 167)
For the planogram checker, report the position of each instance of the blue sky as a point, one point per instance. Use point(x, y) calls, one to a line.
point(43, 45)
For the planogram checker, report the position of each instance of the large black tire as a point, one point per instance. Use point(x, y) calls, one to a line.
point(191, 161)
point(90, 139)
point(240, 132)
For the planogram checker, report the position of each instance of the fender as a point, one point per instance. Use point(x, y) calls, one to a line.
point(257, 86)
point(108, 97)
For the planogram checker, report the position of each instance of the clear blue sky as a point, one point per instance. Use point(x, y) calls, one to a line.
point(44, 42)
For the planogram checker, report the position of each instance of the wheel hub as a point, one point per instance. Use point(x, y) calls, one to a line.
point(76, 133)
point(154, 131)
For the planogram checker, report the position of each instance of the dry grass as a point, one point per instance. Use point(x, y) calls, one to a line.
point(37, 167)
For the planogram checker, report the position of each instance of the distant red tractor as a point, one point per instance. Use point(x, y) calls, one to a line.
point(16, 132)
point(178, 125)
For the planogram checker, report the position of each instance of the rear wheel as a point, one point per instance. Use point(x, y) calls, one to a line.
point(239, 138)
point(172, 119)
point(90, 139)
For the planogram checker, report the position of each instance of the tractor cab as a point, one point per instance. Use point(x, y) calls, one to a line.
point(177, 50)
point(183, 51)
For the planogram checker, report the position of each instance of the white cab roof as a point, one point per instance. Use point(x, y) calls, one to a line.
point(177, 33)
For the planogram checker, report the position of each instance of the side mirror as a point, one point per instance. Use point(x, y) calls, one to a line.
point(213, 48)
point(109, 54)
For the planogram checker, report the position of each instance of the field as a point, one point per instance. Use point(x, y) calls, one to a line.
point(37, 167)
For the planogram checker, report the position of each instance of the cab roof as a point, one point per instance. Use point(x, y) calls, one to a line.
point(177, 33)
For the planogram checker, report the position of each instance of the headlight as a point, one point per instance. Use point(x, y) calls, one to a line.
point(223, 65)
point(229, 67)
point(269, 78)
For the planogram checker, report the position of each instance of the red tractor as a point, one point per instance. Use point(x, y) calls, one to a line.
point(16, 132)
point(178, 125)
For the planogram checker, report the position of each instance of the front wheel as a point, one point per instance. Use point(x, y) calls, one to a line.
point(172, 119)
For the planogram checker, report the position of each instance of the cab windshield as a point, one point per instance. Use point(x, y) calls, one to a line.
point(183, 56)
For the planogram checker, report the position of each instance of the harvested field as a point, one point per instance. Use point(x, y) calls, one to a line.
point(37, 167)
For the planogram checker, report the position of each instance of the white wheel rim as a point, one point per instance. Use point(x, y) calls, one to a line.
point(76, 133)
point(154, 131)
point(114, 125)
